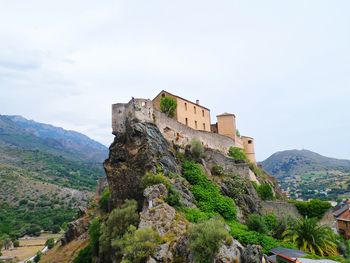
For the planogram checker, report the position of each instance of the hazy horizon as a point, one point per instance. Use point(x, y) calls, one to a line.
point(281, 67)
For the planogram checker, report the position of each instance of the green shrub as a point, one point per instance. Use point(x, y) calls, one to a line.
point(84, 255)
point(217, 170)
point(15, 243)
point(50, 243)
point(168, 106)
point(237, 153)
point(265, 191)
point(246, 237)
point(195, 215)
point(206, 238)
point(94, 234)
point(257, 223)
point(150, 179)
point(197, 149)
point(313, 208)
point(207, 194)
point(104, 200)
point(117, 223)
point(173, 198)
point(137, 245)
point(37, 257)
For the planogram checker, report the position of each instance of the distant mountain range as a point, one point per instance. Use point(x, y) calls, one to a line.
point(46, 172)
point(308, 174)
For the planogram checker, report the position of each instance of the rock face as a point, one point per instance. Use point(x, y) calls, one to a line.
point(229, 253)
point(252, 254)
point(76, 229)
point(132, 153)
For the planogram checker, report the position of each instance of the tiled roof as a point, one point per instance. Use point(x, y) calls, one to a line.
point(345, 216)
point(181, 98)
point(341, 210)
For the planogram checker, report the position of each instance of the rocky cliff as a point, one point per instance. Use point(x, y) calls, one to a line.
point(175, 192)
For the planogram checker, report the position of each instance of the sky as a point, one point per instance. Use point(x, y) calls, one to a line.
point(283, 67)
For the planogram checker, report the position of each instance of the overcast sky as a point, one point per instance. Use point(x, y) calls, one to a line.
point(283, 67)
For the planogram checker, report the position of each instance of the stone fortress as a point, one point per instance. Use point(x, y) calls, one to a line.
point(191, 121)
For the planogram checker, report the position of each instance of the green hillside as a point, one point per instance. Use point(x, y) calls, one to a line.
point(46, 173)
point(305, 174)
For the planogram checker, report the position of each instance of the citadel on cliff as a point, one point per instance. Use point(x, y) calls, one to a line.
point(191, 121)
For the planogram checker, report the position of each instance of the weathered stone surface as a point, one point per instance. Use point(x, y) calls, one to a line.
point(187, 198)
point(75, 230)
point(252, 254)
point(229, 253)
point(133, 153)
point(158, 214)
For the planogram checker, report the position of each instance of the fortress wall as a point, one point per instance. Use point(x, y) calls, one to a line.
point(182, 135)
point(140, 109)
point(171, 129)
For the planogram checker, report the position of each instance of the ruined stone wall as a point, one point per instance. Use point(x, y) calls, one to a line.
point(140, 109)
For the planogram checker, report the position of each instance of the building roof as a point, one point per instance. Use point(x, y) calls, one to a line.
point(291, 253)
point(181, 98)
point(341, 210)
point(345, 216)
point(226, 114)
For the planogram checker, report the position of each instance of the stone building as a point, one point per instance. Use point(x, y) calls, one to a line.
point(197, 117)
point(189, 113)
point(191, 121)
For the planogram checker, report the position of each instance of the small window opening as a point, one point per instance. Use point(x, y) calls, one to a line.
point(194, 110)
point(186, 120)
point(163, 95)
point(195, 124)
point(185, 106)
point(250, 142)
point(203, 113)
point(204, 126)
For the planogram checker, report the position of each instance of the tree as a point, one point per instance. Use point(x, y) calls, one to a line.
point(137, 244)
point(206, 238)
point(314, 208)
point(168, 106)
point(311, 237)
point(37, 257)
point(237, 153)
point(50, 243)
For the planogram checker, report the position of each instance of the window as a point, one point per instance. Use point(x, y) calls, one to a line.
point(186, 120)
point(250, 142)
point(163, 95)
point(195, 124)
point(185, 106)
point(203, 126)
point(203, 113)
point(194, 109)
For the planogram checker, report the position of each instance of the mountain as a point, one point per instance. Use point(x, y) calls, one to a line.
point(46, 173)
point(307, 174)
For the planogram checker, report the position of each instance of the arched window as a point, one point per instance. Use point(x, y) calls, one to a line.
point(163, 95)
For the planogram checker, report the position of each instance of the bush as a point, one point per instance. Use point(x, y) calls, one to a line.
point(152, 179)
point(37, 257)
point(173, 198)
point(84, 255)
point(206, 238)
point(237, 153)
point(94, 234)
point(195, 215)
point(168, 106)
point(116, 225)
point(314, 208)
point(137, 245)
point(265, 191)
point(15, 243)
point(257, 223)
point(197, 149)
point(104, 200)
point(50, 243)
point(208, 196)
point(217, 170)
